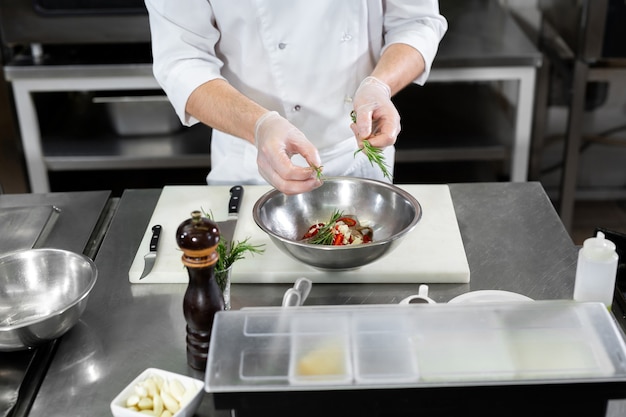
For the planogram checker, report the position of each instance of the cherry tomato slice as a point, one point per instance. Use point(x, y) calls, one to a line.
point(313, 231)
point(338, 239)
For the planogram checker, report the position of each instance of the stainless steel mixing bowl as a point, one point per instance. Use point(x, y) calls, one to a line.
point(389, 210)
point(43, 293)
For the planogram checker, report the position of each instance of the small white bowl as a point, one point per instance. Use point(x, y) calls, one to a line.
point(187, 409)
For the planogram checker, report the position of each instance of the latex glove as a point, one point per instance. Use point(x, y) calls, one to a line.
point(377, 118)
point(277, 141)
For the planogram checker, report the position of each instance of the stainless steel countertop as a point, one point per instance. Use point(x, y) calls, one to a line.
point(513, 239)
point(79, 213)
point(76, 230)
point(481, 33)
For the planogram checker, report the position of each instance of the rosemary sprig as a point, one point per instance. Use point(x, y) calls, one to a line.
point(238, 250)
point(374, 155)
point(325, 235)
point(318, 171)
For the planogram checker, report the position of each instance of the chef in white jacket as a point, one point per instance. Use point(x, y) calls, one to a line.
point(278, 79)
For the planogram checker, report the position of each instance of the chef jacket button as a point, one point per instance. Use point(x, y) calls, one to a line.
point(347, 99)
point(297, 107)
point(346, 37)
point(282, 45)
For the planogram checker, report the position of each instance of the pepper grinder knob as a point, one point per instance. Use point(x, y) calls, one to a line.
point(198, 238)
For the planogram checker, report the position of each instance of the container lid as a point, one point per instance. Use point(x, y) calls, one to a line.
point(381, 346)
point(599, 248)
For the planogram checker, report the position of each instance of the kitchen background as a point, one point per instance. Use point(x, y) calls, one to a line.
point(77, 126)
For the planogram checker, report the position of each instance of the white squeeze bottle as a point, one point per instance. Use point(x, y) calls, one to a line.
point(596, 271)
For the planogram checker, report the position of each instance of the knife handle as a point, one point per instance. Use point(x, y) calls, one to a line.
point(236, 195)
point(154, 241)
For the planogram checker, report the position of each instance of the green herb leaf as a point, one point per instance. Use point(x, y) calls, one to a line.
point(238, 249)
point(318, 171)
point(375, 156)
point(325, 235)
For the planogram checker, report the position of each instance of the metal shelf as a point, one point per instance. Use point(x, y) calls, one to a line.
point(457, 121)
point(459, 116)
point(189, 148)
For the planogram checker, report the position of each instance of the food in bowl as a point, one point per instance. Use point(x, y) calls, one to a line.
point(391, 212)
point(159, 393)
point(338, 231)
point(156, 395)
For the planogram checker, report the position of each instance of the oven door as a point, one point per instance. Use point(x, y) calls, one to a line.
point(44, 22)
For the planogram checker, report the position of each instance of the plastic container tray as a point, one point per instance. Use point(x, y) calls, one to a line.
point(353, 347)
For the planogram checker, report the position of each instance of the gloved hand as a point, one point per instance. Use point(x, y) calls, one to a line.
point(377, 118)
point(277, 141)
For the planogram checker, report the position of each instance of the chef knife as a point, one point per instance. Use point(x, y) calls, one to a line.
point(227, 227)
point(150, 257)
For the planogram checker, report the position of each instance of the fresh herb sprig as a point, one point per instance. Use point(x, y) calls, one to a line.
point(238, 250)
point(318, 171)
point(374, 155)
point(325, 235)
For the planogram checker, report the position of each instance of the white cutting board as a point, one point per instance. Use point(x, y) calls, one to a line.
point(432, 253)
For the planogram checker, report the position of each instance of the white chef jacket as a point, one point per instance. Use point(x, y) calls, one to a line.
point(302, 58)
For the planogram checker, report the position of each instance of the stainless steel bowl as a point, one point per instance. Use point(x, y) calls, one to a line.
point(389, 210)
point(43, 293)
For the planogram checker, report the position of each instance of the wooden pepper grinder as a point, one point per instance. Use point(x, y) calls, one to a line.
point(198, 238)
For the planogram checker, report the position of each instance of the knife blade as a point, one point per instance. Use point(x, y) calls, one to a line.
point(150, 257)
point(227, 227)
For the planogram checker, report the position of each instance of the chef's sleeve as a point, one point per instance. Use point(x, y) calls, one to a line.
point(184, 36)
point(417, 23)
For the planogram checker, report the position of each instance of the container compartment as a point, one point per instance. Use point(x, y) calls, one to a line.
point(266, 357)
point(320, 350)
point(556, 342)
point(557, 353)
point(384, 358)
point(269, 364)
point(267, 325)
point(397, 321)
point(463, 355)
point(383, 352)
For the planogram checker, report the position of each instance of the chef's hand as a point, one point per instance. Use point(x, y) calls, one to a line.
point(377, 118)
point(277, 141)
